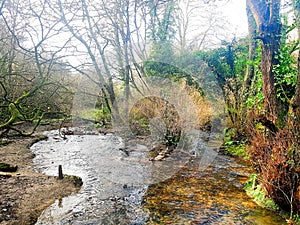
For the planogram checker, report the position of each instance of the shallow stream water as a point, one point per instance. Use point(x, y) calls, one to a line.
point(122, 186)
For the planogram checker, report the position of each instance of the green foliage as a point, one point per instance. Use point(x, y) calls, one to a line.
point(295, 219)
point(229, 61)
point(216, 60)
point(166, 70)
point(236, 149)
point(162, 52)
point(228, 66)
point(240, 59)
point(286, 69)
point(257, 193)
point(255, 98)
point(162, 20)
point(98, 115)
point(102, 114)
point(171, 140)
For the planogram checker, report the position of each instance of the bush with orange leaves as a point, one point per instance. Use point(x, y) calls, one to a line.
point(276, 158)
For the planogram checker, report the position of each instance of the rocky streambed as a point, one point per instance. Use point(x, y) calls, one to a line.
point(122, 185)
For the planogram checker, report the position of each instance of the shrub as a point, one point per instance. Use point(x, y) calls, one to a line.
point(276, 158)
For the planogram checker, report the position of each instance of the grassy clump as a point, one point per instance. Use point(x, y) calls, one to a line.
point(236, 149)
point(258, 194)
point(102, 116)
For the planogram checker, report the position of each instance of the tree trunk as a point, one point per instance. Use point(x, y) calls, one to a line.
point(267, 18)
point(269, 91)
point(252, 29)
point(296, 99)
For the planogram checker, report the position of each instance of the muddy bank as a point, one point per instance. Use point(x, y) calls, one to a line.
point(26, 193)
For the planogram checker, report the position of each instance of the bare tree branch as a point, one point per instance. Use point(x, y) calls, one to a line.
point(2, 6)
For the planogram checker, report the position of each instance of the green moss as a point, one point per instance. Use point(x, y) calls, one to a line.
point(14, 115)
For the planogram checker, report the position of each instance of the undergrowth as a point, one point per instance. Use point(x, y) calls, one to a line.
point(258, 194)
point(237, 149)
point(275, 156)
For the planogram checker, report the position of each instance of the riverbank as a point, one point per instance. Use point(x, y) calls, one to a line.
point(185, 194)
point(26, 193)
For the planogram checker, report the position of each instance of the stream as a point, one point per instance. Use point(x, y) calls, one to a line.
point(122, 186)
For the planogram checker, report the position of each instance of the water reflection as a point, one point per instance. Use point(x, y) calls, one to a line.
point(213, 196)
point(95, 158)
point(122, 188)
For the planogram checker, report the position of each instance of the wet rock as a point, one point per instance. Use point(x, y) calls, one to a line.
point(160, 152)
point(4, 167)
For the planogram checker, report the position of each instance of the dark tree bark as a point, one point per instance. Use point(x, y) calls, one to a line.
point(267, 18)
point(296, 99)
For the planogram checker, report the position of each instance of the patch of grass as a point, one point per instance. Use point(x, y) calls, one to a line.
point(102, 115)
point(237, 149)
point(257, 193)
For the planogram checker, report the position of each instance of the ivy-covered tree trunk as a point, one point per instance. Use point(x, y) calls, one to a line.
point(267, 18)
point(275, 156)
point(269, 91)
point(296, 99)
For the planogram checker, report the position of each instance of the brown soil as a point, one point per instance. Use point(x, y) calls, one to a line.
point(26, 193)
